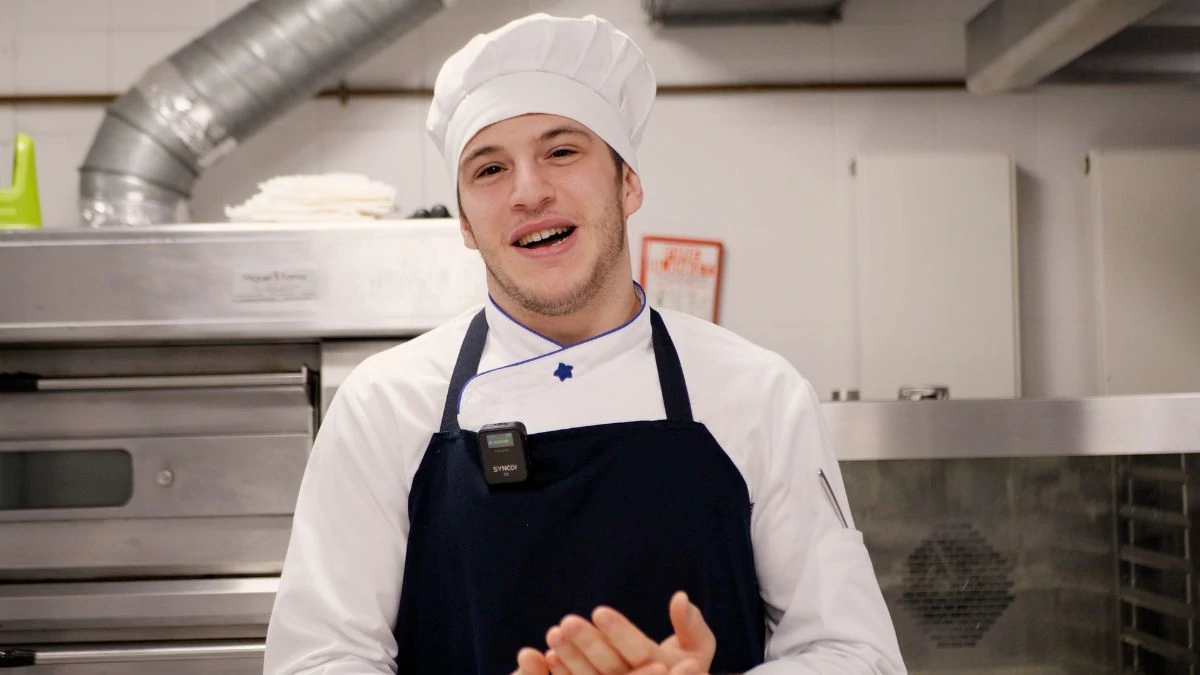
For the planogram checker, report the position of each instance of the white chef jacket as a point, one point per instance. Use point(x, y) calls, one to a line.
point(340, 588)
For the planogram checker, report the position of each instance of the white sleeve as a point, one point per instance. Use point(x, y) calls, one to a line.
point(826, 613)
point(340, 588)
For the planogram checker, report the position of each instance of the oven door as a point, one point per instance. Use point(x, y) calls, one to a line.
point(161, 477)
point(148, 507)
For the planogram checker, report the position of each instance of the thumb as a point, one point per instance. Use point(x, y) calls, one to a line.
point(693, 633)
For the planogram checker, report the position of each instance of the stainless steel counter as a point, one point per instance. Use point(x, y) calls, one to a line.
point(1113, 425)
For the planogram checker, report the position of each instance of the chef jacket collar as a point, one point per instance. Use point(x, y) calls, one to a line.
point(521, 342)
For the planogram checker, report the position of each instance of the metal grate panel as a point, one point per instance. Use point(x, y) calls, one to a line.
point(957, 585)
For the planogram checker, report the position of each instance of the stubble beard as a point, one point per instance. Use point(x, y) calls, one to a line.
point(612, 230)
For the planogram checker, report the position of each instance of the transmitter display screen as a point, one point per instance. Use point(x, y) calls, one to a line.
point(499, 441)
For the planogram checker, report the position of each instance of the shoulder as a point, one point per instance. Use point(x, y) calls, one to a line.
point(712, 352)
point(411, 376)
point(749, 397)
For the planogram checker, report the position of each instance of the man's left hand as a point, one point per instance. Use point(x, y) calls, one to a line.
point(611, 645)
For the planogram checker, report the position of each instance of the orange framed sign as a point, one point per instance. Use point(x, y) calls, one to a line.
point(683, 274)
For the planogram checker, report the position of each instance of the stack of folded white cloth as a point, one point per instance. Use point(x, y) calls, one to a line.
point(330, 196)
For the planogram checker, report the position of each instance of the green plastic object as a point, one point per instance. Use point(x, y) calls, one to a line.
point(19, 205)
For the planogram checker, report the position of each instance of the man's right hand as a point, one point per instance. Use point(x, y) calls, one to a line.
point(612, 645)
point(532, 662)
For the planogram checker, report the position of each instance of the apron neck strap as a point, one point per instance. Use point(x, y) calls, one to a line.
point(670, 372)
point(464, 369)
point(676, 401)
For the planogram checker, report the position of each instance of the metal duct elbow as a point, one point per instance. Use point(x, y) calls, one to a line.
point(191, 110)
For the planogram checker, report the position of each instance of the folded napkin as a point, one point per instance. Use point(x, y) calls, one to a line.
point(329, 196)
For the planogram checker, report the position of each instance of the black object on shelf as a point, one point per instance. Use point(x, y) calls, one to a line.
point(16, 658)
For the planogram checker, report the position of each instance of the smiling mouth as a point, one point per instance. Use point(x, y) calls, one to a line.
point(546, 238)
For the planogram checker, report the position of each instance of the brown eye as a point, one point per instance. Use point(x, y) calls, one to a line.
point(489, 170)
point(562, 152)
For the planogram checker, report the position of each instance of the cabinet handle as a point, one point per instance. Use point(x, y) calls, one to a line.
point(28, 382)
point(19, 658)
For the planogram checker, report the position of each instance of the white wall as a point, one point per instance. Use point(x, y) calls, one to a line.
point(766, 173)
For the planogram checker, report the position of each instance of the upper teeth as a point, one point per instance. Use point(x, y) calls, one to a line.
point(538, 236)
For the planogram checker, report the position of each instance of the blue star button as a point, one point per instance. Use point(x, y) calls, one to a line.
point(563, 372)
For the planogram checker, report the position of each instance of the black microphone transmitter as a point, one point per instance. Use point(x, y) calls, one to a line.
point(503, 453)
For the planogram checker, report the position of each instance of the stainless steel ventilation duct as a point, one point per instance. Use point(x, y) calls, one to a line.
point(194, 108)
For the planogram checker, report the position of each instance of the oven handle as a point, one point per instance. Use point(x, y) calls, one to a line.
point(29, 382)
point(19, 658)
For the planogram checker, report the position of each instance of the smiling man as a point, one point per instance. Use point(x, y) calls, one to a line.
point(568, 481)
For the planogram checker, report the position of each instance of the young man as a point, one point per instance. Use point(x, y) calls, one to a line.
point(679, 509)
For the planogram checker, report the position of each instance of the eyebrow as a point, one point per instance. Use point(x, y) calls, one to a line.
point(549, 135)
point(560, 131)
point(479, 152)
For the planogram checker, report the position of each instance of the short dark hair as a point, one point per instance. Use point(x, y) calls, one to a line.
point(618, 161)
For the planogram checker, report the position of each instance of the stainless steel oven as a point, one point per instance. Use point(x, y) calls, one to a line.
point(160, 392)
point(1032, 537)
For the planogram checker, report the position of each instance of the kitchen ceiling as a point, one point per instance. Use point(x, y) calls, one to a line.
point(1017, 44)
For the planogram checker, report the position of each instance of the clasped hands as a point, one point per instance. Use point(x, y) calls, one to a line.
point(610, 644)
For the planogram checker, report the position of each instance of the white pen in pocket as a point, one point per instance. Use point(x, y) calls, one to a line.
point(832, 497)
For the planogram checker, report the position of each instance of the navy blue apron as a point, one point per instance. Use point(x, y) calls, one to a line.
point(620, 514)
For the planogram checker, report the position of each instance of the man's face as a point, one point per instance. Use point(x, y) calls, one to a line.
point(544, 204)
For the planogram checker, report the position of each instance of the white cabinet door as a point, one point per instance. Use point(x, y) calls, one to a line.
point(1147, 206)
point(936, 273)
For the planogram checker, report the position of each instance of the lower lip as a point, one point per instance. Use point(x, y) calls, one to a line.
point(555, 249)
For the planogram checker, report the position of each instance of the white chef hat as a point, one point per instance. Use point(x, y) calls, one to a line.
point(584, 69)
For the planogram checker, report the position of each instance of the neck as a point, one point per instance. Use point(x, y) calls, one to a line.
point(612, 307)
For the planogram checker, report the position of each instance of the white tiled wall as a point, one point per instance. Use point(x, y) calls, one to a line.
point(7, 55)
point(766, 173)
point(44, 16)
point(151, 15)
point(135, 51)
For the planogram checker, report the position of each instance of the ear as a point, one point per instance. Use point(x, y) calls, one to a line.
point(631, 191)
point(468, 235)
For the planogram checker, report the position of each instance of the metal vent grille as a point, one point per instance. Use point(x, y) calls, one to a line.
point(957, 585)
point(724, 12)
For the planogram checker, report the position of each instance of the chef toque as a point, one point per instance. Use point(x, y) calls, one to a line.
point(583, 69)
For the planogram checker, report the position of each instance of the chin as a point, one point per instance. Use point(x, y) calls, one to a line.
point(555, 299)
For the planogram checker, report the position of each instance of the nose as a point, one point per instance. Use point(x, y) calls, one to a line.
point(531, 187)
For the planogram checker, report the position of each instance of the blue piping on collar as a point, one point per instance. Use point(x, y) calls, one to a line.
point(561, 348)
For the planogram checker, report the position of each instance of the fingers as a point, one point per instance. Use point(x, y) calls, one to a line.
point(612, 645)
point(651, 669)
point(691, 630)
point(631, 643)
point(555, 662)
point(572, 659)
point(531, 662)
point(581, 645)
point(688, 667)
